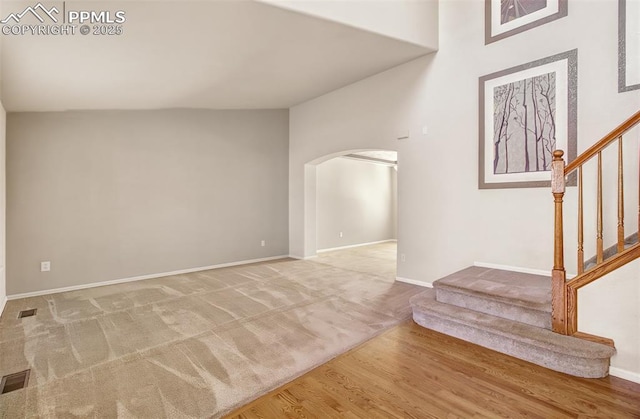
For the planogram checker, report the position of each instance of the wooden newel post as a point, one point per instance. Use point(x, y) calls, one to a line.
point(558, 275)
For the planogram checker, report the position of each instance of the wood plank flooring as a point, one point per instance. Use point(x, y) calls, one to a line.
point(413, 372)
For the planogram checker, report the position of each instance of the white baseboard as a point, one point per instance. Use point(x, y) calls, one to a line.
point(518, 269)
point(302, 257)
point(624, 374)
point(414, 282)
point(512, 268)
point(3, 303)
point(355, 245)
point(139, 278)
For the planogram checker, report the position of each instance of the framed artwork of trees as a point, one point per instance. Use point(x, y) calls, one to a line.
point(527, 112)
point(628, 45)
point(504, 18)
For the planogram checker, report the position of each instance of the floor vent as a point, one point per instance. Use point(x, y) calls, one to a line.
point(27, 313)
point(15, 381)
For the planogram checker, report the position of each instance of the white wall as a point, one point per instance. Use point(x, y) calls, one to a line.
point(611, 307)
point(354, 198)
point(112, 195)
point(3, 285)
point(3, 115)
point(414, 21)
point(394, 201)
point(445, 223)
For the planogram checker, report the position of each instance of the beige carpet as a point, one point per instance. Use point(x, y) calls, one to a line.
point(195, 345)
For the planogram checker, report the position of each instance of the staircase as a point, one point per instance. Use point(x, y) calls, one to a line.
point(532, 317)
point(508, 312)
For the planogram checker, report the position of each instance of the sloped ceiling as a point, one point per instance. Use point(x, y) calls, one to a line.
point(191, 54)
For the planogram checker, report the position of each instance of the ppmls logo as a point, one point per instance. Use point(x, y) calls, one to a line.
point(42, 20)
point(38, 11)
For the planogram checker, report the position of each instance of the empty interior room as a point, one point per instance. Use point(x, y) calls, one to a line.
point(356, 200)
point(278, 208)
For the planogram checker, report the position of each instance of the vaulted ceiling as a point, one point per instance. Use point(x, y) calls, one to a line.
point(191, 54)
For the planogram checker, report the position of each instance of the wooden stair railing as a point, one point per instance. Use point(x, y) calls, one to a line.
point(565, 293)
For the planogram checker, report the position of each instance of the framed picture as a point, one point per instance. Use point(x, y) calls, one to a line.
point(628, 45)
point(527, 112)
point(504, 18)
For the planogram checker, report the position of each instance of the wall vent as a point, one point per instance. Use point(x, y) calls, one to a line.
point(14, 382)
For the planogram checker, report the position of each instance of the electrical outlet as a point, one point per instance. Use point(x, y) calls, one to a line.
point(263, 243)
point(340, 234)
point(45, 266)
point(403, 258)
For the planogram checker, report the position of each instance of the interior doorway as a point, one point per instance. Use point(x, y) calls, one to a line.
point(350, 200)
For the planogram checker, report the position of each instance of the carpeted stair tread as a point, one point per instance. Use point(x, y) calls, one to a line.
point(514, 288)
point(611, 251)
point(510, 330)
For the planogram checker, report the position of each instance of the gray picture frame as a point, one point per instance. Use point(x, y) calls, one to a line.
point(568, 130)
point(490, 37)
point(622, 49)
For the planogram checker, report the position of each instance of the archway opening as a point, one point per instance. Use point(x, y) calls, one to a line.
point(350, 200)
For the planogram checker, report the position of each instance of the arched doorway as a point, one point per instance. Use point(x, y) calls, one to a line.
point(349, 208)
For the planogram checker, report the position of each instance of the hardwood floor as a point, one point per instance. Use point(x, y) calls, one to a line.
point(412, 372)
